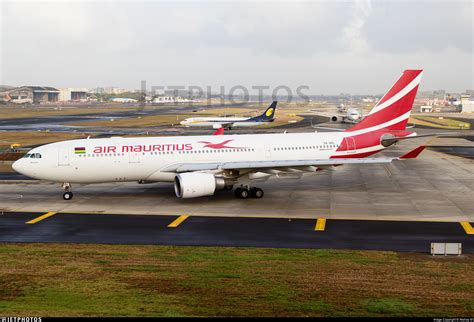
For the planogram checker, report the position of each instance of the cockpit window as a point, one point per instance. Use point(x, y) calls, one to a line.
point(33, 155)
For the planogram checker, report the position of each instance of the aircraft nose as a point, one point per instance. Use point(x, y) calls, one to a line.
point(17, 166)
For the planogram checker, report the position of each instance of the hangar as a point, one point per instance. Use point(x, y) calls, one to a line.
point(37, 94)
point(73, 94)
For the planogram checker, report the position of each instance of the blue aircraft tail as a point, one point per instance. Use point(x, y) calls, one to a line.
point(268, 115)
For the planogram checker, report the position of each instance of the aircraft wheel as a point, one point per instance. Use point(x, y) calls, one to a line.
point(237, 192)
point(242, 193)
point(67, 195)
point(256, 193)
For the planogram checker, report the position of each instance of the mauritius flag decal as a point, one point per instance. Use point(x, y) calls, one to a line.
point(80, 150)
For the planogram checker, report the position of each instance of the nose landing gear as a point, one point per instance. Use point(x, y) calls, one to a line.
point(67, 195)
point(245, 192)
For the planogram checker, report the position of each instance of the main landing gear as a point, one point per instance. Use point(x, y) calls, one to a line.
point(67, 195)
point(245, 192)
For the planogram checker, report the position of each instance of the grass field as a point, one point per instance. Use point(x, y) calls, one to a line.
point(99, 280)
point(6, 166)
point(34, 137)
point(436, 122)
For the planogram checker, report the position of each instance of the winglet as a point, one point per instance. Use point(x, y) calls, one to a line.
point(219, 131)
point(413, 153)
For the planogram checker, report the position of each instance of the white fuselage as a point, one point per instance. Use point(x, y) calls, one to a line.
point(142, 159)
point(219, 121)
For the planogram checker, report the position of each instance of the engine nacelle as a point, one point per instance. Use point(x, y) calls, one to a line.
point(334, 118)
point(193, 185)
point(388, 139)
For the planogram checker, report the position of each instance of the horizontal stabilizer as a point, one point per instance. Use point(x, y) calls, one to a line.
point(387, 141)
point(413, 153)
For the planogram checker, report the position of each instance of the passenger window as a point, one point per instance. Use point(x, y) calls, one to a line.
point(38, 156)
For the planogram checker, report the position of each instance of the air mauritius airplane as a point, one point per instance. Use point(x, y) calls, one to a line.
point(230, 122)
point(200, 165)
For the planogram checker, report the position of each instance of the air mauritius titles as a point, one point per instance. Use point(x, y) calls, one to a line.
point(156, 147)
point(142, 148)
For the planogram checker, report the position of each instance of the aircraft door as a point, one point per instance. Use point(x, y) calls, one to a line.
point(268, 151)
point(350, 143)
point(63, 157)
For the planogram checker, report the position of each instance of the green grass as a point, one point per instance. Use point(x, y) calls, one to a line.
point(388, 306)
point(436, 122)
point(462, 287)
point(106, 280)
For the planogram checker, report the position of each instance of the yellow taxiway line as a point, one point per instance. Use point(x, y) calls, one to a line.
point(320, 224)
point(467, 227)
point(46, 215)
point(178, 221)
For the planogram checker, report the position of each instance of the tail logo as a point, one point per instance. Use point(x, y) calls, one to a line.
point(269, 112)
point(221, 145)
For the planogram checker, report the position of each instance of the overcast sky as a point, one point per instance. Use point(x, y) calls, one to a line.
point(333, 47)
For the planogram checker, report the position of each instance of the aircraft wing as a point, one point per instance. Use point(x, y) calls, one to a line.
point(190, 167)
point(225, 125)
point(220, 125)
point(268, 165)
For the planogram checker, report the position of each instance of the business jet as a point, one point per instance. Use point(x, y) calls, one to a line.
point(200, 165)
point(230, 122)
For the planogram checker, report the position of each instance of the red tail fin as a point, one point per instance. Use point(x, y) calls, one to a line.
point(393, 110)
point(219, 131)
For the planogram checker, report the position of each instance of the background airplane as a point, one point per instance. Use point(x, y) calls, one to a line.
point(347, 115)
point(230, 122)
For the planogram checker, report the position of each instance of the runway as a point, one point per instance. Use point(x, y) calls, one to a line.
point(235, 232)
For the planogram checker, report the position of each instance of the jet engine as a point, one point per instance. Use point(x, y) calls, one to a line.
point(388, 139)
point(193, 185)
